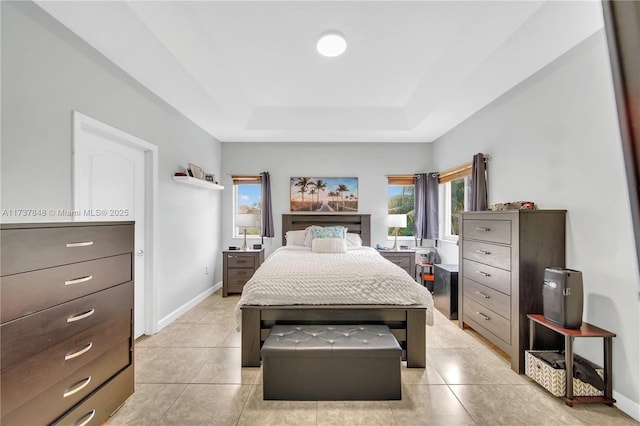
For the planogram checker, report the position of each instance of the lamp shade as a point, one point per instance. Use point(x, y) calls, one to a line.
point(397, 221)
point(245, 219)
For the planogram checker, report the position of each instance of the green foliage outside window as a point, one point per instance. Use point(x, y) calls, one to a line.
point(457, 204)
point(400, 200)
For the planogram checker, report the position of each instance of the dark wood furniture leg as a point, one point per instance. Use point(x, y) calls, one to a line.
point(608, 368)
point(416, 338)
point(568, 361)
point(250, 338)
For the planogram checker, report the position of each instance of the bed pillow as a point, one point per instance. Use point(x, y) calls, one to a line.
point(308, 237)
point(295, 238)
point(329, 245)
point(354, 240)
point(329, 232)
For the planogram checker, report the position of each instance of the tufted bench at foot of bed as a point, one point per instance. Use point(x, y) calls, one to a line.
point(331, 363)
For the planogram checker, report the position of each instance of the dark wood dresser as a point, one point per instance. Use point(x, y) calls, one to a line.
point(67, 321)
point(503, 256)
point(237, 267)
point(445, 289)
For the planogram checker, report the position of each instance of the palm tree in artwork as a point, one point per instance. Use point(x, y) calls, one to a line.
point(303, 184)
point(341, 189)
point(320, 186)
point(312, 192)
point(333, 195)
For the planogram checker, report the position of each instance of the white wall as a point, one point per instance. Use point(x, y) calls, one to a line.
point(554, 140)
point(47, 72)
point(369, 162)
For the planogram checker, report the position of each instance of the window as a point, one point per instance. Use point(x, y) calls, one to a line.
point(456, 201)
point(454, 198)
point(400, 200)
point(247, 193)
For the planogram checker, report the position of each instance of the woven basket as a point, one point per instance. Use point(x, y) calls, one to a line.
point(554, 379)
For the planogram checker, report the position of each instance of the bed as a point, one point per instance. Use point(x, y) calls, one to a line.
point(259, 310)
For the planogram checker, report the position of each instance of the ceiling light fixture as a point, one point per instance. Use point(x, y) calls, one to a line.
point(332, 44)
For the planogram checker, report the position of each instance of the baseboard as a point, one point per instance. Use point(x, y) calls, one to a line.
point(627, 406)
point(190, 304)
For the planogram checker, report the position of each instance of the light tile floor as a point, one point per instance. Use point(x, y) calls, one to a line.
point(189, 374)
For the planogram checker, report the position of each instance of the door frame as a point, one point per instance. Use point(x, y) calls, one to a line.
point(85, 124)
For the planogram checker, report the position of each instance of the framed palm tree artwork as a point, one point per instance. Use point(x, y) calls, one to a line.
point(324, 194)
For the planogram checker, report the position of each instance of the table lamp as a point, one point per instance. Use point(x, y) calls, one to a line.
point(396, 221)
point(245, 220)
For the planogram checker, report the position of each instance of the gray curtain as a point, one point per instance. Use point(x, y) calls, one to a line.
point(267, 214)
point(426, 206)
point(478, 183)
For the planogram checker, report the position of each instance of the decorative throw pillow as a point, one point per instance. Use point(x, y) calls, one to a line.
point(329, 232)
point(329, 245)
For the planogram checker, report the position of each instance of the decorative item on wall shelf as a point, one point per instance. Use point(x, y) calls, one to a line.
point(196, 171)
point(324, 194)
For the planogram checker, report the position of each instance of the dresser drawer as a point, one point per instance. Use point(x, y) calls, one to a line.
point(49, 405)
point(487, 319)
point(490, 276)
point(496, 231)
point(486, 296)
point(401, 260)
point(30, 292)
point(490, 254)
point(26, 250)
point(26, 336)
point(34, 375)
point(240, 274)
point(240, 261)
point(236, 285)
point(94, 410)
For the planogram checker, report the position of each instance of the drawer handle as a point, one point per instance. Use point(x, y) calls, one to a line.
point(486, 296)
point(81, 316)
point(483, 316)
point(80, 244)
point(483, 252)
point(484, 274)
point(67, 357)
point(483, 229)
point(79, 280)
point(78, 387)
point(85, 421)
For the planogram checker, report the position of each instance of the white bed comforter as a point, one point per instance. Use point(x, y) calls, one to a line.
point(297, 276)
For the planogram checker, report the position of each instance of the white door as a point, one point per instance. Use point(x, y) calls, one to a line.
point(109, 185)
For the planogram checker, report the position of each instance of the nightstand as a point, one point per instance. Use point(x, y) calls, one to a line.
point(237, 267)
point(406, 259)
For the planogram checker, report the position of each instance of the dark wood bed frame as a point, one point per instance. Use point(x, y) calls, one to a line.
point(406, 322)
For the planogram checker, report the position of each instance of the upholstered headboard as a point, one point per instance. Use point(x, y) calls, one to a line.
point(356, 223)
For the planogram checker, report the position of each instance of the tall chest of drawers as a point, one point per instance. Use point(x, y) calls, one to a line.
point(66, 322)
point(502, 260)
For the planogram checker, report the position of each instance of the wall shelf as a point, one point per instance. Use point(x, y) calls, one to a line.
point(188, 180)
